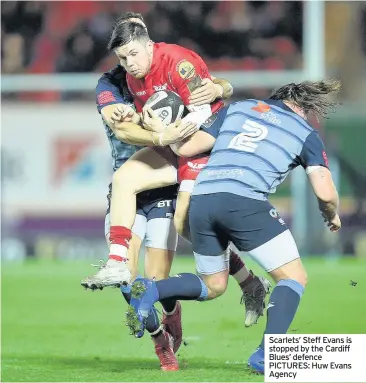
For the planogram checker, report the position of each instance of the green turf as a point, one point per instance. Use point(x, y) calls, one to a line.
point(53, 330)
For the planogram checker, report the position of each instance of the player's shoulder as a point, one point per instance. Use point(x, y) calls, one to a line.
point(175, 52)
point(267, 106)
point(115, 76)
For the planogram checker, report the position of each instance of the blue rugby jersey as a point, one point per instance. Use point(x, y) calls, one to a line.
point(257, 144)
point(112, 89)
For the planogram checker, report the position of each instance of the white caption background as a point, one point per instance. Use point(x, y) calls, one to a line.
point(319, 358)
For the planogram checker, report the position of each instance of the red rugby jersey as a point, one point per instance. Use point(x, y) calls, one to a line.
point(173, 68)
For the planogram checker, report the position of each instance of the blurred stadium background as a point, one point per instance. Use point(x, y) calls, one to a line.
point(55, 158)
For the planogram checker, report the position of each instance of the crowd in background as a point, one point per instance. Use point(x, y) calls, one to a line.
point(44, 37)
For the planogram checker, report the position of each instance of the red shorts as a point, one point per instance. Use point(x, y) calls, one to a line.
point(188, 170)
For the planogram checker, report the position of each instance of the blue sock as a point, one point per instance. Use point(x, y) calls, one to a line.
point(184, 286)
point(152, 322)
point(282, 307)
point(126, 292)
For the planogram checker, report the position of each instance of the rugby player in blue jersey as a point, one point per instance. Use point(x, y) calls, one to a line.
point(255, 144)
point(155, 209)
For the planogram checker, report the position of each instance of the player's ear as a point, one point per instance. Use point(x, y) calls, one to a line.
point(149, 46)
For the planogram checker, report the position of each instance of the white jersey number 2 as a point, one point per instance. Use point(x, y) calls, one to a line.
point(248, 141)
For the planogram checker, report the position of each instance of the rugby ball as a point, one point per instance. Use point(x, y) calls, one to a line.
point(167, 105)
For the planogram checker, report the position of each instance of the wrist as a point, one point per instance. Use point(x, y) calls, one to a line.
point(220, 90)
point(157, 139)
point(136, 119)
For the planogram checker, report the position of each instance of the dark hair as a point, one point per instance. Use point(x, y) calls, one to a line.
point(126, 31)
point(310, 96)
point(129, 15)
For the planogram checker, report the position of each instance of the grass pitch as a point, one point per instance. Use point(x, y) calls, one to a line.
point(54, 331)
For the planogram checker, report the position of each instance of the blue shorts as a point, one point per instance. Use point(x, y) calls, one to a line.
point(220, 218)
point(154, 222)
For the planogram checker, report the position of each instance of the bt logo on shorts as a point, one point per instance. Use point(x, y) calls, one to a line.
point(164, 203)
point(273, 213)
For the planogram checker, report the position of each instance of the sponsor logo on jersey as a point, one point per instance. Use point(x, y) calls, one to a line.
point(325, 158)
point(271, 118)
point(261, 107)
point(158, 88)
point(194, 83)
point(208, 123)
point(105, 97)
point(141, 93)
point(195, 167)
point(185, 69)
point(273, 213)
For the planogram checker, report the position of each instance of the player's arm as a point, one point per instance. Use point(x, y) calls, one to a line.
point(314, 160)
point(116, 113)
point(199, 142)
point(322, 183)
point(203, 140)
point(186, 72)
point(211, 90)
point(111, 105)
point(227, 88)
point(134, 134)
point(129, 132)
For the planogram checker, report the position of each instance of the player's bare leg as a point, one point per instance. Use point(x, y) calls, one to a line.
point(145, 170)
point(254, 288)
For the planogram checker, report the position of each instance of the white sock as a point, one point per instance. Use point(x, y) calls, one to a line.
point(119, 250)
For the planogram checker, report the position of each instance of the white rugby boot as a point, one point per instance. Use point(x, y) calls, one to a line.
point(111, 273)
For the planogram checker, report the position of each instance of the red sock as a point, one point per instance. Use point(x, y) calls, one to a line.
point(235, 263)
point(243, 285)
point(119, 235)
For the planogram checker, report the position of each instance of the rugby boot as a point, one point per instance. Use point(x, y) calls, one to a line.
point(143, 296)
point(256, 361)
point(111, 273)
point(164, 351)
point(254, 296)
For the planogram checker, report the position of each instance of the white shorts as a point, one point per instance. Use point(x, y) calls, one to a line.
point(158, 233)
point(276, 252)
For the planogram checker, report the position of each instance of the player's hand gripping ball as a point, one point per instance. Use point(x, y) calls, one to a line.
point(168, 107)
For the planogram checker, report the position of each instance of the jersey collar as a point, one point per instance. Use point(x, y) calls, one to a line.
point(279, 104)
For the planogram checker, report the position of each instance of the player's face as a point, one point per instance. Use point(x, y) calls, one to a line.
point(135, 57)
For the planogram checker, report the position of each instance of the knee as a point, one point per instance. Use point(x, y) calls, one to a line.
point(216, 284)
point(123, 176)
point(303, 278)
point(117, 175)
point(300, 276)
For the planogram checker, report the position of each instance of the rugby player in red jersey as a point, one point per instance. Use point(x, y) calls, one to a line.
point(152, 67)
